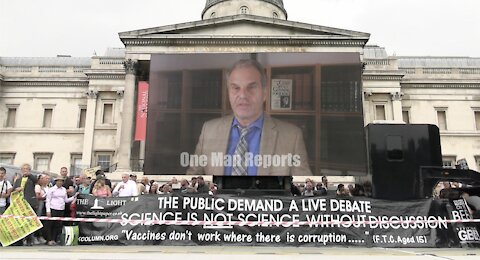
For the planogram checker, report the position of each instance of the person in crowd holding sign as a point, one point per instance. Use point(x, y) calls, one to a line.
point(5, 190)
point(27, 184)
point(250, 133)
point(125, 188)
point(55, 203)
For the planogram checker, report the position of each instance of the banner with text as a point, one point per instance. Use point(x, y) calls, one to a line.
point(13, 229)
point(269, 221)
point(464, 233)
point(142, 109)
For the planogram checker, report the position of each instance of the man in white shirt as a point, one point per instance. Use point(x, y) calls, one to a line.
point(5, 190)
point(126, 188)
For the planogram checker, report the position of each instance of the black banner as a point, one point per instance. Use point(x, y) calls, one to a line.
point(461, 233)
point(272, 221)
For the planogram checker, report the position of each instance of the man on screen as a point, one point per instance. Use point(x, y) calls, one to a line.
point(249, 142)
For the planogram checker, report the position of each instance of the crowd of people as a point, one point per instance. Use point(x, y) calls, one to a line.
point(55, 196)
point(47, 197)
point(309, 188)
point(131, 186)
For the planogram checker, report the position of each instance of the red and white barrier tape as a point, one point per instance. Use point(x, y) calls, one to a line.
point(243, 223)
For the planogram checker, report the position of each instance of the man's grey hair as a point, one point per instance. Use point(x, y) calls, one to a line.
point(28, 165)
point(252, 64)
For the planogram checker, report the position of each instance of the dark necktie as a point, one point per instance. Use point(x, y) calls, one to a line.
point(240, 167)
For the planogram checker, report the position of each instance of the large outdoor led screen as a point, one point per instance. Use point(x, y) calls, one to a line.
point(263, 114)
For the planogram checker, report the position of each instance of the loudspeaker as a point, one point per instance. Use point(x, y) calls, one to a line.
point(396, 153)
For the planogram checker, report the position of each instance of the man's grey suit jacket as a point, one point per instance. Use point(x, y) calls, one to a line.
point(277, 138)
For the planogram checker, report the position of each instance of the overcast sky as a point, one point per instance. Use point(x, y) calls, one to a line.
point(81, 27)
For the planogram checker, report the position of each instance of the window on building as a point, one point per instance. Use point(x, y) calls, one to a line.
point(107, 113)
point(47, 117)
point(442, 119)
point(449, 161)
point(104, 160)
point(244, 10)
point(380, 112)
point(42, 161)
point(7, 158)
point(477, 162)
point(406, 116)
point(11, 117)
point(213, 15)
point(82, 118)
point(76, 167)
point(275, 15)
point(477, 120)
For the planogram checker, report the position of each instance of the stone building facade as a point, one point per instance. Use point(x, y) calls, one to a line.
point(61, 111)
point(443, 91)
point(80, 112)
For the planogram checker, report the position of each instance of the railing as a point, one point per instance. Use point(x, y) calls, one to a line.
point(409, 70)
point(381, 62)
point(111, 61)
point(52, 69)
point(469, 71)
point(80, 69)
point(437, 71)
point(17, 69)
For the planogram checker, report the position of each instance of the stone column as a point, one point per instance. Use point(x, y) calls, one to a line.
point(128, 117)
point(89, 127)
point(397, 106)
point(367, 114)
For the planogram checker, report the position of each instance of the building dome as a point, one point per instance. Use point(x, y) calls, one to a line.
point(267, 8)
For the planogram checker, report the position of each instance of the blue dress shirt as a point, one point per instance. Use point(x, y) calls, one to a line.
point(253, 139)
